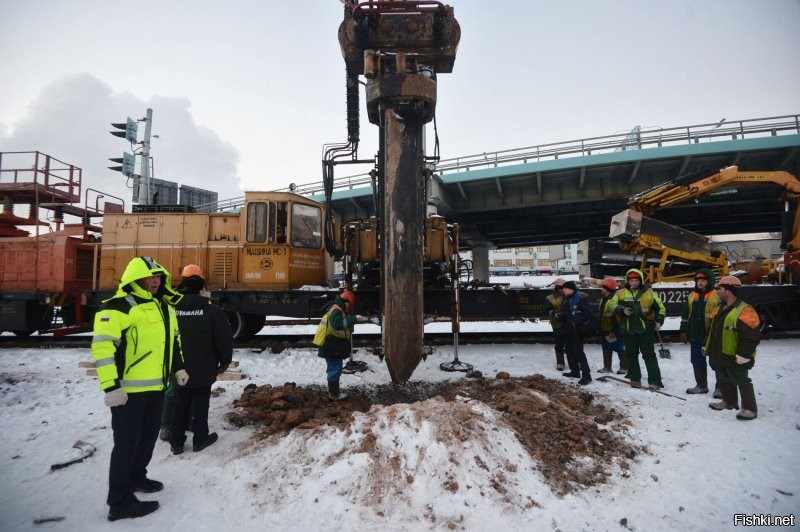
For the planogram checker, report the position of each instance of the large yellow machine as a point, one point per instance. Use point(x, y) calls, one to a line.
point(274, 242)
point(656, 240)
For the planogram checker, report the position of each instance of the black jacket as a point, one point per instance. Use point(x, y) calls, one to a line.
point(206, 339)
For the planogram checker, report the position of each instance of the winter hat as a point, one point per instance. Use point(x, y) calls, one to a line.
point(609, 284)
point(571, 286)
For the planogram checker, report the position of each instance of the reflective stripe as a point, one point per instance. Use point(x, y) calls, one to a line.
point(105, 338)
point(141, 384)
point(103, 362)
point(131, 300)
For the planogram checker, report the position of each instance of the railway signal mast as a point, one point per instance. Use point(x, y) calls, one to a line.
point(128, 130)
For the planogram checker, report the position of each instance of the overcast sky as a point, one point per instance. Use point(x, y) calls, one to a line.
point(245, 93)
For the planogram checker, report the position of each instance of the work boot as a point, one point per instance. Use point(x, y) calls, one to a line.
point(717, 392)
point(730, 398)
point(606, 363)
point(147, 485)
point(701, 377)
point(623, 364)
point(653, 371)
point(636, 384)
point(585, 380)
point(334, 394)
point(560, 361)
point(132, 510)
point(210, 439)
point(573, 374)
point(749, 408)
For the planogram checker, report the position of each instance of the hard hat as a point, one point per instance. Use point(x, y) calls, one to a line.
point(633, 273)
point(609, 284)
point(349, 296)
point(559, 282)
point(730, 280)
point(192, 270)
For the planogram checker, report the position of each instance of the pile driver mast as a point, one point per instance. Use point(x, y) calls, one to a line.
point(399, 47)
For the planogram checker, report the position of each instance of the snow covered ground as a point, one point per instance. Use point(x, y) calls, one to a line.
point(701, 467)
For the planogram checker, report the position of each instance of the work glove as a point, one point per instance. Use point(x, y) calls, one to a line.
point(611, 338)
point(742, 360)
point(559, 315)
point(222, 368)
point(628, 311)
point(684, 338)
point(181, 377)
point(116, 397)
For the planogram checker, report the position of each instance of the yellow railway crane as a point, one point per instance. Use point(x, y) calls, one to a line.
point(638, 233)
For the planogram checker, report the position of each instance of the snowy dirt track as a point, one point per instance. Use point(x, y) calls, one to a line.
point(431, 465)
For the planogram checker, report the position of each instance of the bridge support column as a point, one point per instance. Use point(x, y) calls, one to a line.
point(480, 262)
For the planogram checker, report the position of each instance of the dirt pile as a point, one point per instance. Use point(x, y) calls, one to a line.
point(573, 437)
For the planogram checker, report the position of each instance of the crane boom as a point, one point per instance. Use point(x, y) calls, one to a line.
point(631, 226)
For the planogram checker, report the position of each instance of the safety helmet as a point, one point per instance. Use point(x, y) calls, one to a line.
point(730, 280)
point(559, 282)
point(609, 284)
point(348, 296)
point(192, 270)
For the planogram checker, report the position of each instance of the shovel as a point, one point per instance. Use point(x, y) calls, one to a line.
point(354, 366)
point(662, 352)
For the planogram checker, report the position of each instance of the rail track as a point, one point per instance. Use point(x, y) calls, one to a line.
point(279, 341)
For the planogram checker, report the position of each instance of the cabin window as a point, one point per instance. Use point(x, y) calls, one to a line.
point(257, 222)
point(306, 228)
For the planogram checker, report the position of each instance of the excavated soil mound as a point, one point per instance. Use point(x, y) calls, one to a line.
point(574, 438)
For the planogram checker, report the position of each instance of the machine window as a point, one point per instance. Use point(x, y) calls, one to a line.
point(306, 229)
point(257, 222)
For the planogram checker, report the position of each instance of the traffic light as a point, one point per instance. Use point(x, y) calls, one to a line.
point(127, 161)
point(128, 130)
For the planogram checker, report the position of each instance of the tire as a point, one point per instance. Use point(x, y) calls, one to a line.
point(244, 325)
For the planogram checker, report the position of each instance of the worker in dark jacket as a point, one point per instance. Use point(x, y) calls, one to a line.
point(641, 313)
point(333, 337)
point(207, 343)
point(575, 315)
point(695, 319)
point(733, 336)
point(136, 346)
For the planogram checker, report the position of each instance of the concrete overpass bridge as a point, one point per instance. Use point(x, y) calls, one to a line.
point(568, 191)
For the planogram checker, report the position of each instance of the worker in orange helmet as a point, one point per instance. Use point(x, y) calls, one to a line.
point(733, 336)
point(611, 339)
point(333, 337)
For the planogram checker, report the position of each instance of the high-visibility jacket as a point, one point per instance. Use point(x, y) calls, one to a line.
point(734, 331)
point(608, 320)
point(690, 323)
point(136, 334)
point(648, 310)
point(555, 301)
